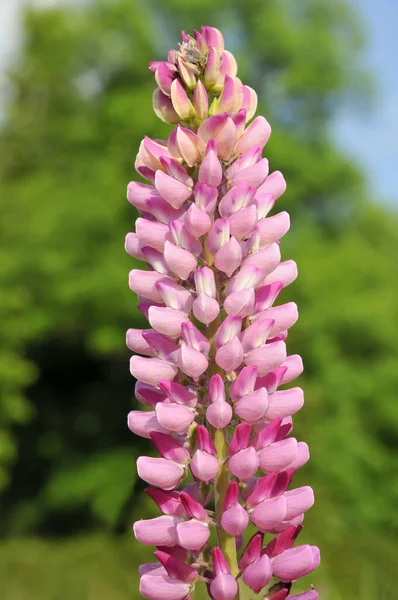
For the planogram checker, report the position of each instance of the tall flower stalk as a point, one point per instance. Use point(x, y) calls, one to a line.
point(209, 368)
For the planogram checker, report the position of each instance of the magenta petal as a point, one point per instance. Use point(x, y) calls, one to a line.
point(244, 464)
point(219, 414)
point(151, 370)
point(257, 134)
point(163, 587)
point(258, 574)
point(267, 357)
point(160, 531)
point(269, 513)
point(204, 466)
point(192, 362)
point(295, 562)
point(160, 472)
point(167, 321)
point(285, 403)
point(235, 520)
point(252, 407)
point(278, 456)
point(173, 417)
point(205, 309)
point(143, 423)
point(298, 501)
point(223, 587)
point(228, 258)
point(230, 356)
point(192, 535)
point(244, 383)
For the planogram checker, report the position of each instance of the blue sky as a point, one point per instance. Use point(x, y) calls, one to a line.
point(370, 136)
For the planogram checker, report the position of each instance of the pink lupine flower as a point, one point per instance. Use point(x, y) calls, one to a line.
point(209, 365)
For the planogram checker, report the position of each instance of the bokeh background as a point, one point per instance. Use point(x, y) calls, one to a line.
point(75, 103)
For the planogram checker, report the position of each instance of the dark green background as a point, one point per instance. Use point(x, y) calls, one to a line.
point(81, 104)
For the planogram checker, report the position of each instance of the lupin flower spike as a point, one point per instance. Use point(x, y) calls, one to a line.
point(210, 367)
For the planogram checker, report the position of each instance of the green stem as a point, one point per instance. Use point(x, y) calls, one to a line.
point(221, 481)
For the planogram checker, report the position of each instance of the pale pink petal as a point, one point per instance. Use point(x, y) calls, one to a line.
point(192, 535)
point(160, 531)
point(160, 472)
point(167, 320)
point(151, 370)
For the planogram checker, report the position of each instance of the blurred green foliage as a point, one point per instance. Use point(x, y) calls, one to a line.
point(81, 104)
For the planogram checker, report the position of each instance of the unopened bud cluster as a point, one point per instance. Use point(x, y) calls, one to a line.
point(209, 368)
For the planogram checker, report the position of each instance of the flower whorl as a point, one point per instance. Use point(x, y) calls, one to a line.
point(209, 369)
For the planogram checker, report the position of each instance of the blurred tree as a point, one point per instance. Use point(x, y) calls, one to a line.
point(80, 106)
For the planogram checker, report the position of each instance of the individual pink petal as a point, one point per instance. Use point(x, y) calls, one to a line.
point(197, 221)
point(303, 456)
point(150, 153)
point(253, 175)
point(230, 356)
point(258, 574)
point(186, 73)
point(205, 309)
point(252, 407)
point(143, 423)
point(212, 69)
point(249, 102)
point(240, 303)
point(269, 513)
point(173, 563)
point(249, 159)
point(192, 535)
point(206, 197)
point(285, 272)
point(256, 334)
point(228, 258)
point(172, 190)
point(160, 472)
point(168, 502)
point(176, 170)
point(162, 345)
point(234, 520)
point(219, 414)
point(205, 282)
point(183, 238)
point(163, 107)
point(229, 65)
point(181, 103)
point(205, 441)
point(204, 466)
point(177, 392)
point(284, 317)
point(275, 184)
point(174, 295)
point(162, 211)
point(244, 464)
point(143, 283)
point(173, 417)
point(278, 456)
point(160, 531)
point(285, 403)
point(249, 276)
point(273, 228)
point(240, 438)
point(136, 343)
point(231, 97)
point(298, 501)
point(133, 247)
point(151, 370)
point(210, 170)
point(170, 448)
point(189, 145)
point(252, 551)
point(167, 321)
point(153, 568)
point(296, 562)
point(194, 338)
point(266, 259)
point(228, 330)
point(192, 362)
point(164, 76)
point(237, 198)
point(156, 260)
point(294, 367)
point(242, 222)
point(147, 394)
point(223, 587)
point(180, 261)
point(200, 101)
point(213, 38)
point(257, 134)
point(267, 357)
point(151, 233)
point(162, 587)
point(244, 383)
point(311, 595)
point(266, 296)
point(218, 235)
point(138, 193)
